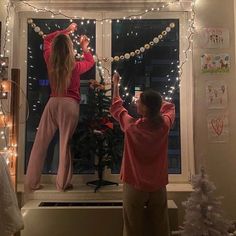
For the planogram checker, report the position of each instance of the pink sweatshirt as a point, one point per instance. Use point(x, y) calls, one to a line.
point(145, 162)
point(81, 67)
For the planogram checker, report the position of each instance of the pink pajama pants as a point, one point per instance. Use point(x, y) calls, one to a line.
point(138, 221)
point(60, 113)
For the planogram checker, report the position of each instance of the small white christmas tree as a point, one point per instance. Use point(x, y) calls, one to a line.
point(203, 211)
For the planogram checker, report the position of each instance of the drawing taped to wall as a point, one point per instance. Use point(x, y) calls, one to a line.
point(215, 63)
point(216, 93)
point(218, 127)
point(214, 38)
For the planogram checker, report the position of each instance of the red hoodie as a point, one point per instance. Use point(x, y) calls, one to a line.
point(145, 161)
point(81, 67)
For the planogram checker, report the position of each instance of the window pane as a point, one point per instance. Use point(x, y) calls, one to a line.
point(155, 68)
point(38, 90)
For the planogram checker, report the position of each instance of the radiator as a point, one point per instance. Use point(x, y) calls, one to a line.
point(80, 218)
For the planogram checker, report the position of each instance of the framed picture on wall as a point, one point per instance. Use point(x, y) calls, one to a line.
point(216, 93)
point(215, 63)
point(214, 38)
point(218, 126)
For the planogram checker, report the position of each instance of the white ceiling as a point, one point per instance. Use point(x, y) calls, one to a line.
point(99, 4)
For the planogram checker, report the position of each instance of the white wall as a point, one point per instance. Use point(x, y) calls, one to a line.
point(219, 159)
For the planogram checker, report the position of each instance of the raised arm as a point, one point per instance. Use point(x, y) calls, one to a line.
point(168, 112)
point(117, 110)
point(49, 38)
point(88, 62)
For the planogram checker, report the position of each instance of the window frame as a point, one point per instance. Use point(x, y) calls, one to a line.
point(103, 48)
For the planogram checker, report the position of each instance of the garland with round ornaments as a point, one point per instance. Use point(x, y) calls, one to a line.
point(126, 55)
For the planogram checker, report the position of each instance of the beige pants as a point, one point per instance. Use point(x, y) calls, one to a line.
point(140, 221)
point(60, 113)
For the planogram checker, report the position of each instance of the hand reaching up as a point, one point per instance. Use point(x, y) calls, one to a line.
point(116, 79)
point(71, 28)
point(84, 42)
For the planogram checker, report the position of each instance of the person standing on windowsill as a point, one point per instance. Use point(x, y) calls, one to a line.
point(144, 170)
point(62, 109)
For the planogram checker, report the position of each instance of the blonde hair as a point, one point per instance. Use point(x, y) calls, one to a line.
point(62, 63)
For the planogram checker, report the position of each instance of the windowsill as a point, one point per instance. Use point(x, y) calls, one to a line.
point(50, 188)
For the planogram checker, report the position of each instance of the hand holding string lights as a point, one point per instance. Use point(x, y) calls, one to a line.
point(116, 78)
point(72, 28)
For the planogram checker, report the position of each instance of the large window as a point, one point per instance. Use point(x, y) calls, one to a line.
point(156, 68)
point(38, 89)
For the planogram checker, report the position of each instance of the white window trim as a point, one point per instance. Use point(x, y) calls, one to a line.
point(186, 92)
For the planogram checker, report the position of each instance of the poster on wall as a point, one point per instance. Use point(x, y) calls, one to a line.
point(215, 63)
point(218, 127)
point(214, 38)
point(216, 93)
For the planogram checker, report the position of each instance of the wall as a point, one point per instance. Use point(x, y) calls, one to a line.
point(219, 159)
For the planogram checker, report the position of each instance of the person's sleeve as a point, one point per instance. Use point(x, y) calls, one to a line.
point(120, 114)
point(86, 64)
point(48, 42)
point(168, 112)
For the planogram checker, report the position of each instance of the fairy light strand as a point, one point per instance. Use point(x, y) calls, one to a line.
point(5, 39)
point(172, 89)
point(107, 19)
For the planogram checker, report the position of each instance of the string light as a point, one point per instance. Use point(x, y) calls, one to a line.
point(146, 46)
point(127, 55)
point(103, 20)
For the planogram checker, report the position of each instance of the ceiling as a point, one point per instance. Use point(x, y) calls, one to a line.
point(99, 4)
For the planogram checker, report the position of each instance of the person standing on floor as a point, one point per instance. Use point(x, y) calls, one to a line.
point(62, 110)
point(144, 170)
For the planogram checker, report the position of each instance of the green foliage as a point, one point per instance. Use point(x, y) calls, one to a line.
point(98, 137)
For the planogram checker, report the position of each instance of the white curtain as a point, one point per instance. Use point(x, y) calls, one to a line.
point(10, 216)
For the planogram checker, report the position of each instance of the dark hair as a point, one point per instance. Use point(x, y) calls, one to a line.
point(153, 101)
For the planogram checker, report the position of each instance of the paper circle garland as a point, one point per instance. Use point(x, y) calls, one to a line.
point(156, 40)
point(127, 56)
point(164, 33)
point(132, 54)
point(122, 57)
point(142, 49)
point(37, 29)
point(41, 33)
point(168, 29)
point(30, 21)
point(116, 58)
